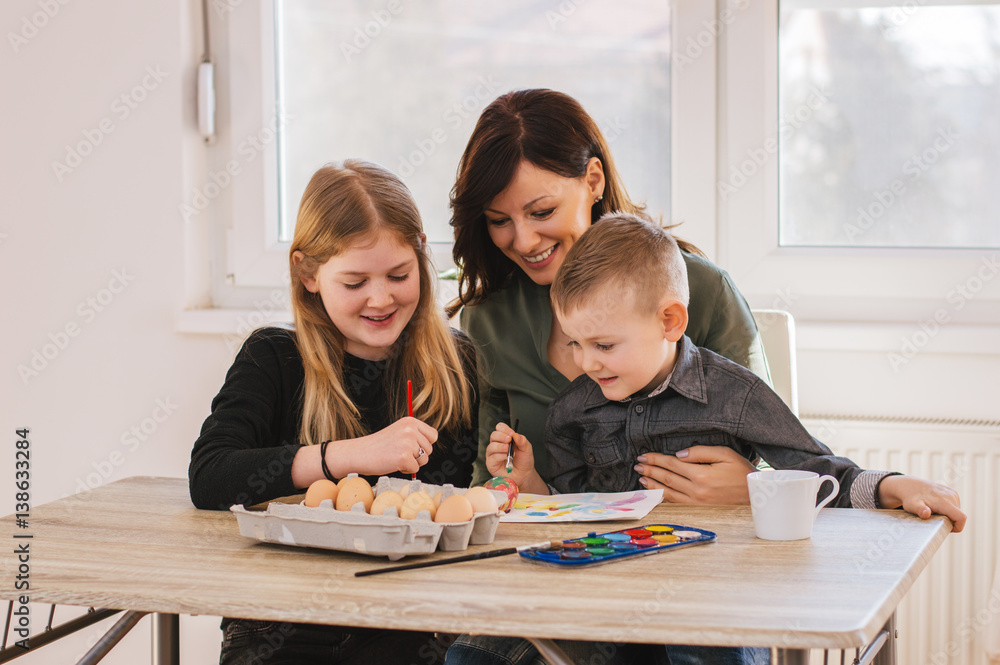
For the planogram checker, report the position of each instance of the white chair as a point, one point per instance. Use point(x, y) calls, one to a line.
point(777, 334)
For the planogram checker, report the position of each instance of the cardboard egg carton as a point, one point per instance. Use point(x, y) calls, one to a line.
point(355, 530)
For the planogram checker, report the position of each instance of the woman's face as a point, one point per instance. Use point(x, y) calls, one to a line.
point(370, 293)
point(536, 220)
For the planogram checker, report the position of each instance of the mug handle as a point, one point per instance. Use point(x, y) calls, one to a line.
point(829, 497)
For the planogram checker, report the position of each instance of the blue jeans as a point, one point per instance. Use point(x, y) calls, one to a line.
point(247, 642)
point(490, 650)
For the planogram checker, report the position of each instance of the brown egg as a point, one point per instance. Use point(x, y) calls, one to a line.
point(405, 490)
point(456, 508)
point(437, 500)
point(319, 491)
point(354, 490)
point(416, 502)
point(385, 500)
point(482, 500)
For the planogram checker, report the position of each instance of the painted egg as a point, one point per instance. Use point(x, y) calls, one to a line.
point(456, 508)
point(482, 500)
point(354, 490)
point(416, 502)
point(386, 500)
point(508, 487)
point(319, 491)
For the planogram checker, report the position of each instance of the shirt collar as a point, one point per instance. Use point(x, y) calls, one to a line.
point(687, 378)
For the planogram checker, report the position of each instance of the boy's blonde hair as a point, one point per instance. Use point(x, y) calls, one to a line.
point(344, 205)
point(622, 255)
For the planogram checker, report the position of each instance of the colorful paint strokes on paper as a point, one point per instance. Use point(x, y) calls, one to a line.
point(587, 507)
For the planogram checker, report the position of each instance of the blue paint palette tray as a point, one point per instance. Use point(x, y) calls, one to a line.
point(597, 548)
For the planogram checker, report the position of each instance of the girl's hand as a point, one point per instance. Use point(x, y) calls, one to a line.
point(922, 497)
point(403, 446)
point(700, 474)
point(496, 454)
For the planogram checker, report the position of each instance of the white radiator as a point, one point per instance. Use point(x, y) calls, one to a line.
point(954, 606)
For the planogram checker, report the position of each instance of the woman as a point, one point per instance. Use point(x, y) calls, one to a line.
point(535, 174)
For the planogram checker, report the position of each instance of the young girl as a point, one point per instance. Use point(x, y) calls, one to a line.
point(329, 397)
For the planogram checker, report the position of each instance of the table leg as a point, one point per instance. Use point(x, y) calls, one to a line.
point(887, 654)
point(111, 638)
point(550, 651)
point(781, 656)
point(166, 639)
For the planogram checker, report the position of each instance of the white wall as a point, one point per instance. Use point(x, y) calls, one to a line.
point(63, 241)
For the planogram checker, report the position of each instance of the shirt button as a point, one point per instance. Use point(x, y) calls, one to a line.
point(643, 450)
point(639, 408)
point(591, 458)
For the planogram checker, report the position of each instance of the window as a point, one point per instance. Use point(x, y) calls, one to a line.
point(898, 144)
point(815, 133)
point(402, 84)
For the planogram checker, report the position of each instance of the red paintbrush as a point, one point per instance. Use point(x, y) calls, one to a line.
point(409, 405)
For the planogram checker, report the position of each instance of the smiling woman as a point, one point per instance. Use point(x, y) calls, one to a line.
point(536, 173)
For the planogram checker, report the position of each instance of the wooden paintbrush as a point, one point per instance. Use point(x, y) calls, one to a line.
point(548, 544)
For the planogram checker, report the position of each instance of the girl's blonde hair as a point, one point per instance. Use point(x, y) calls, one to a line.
point(343, 205)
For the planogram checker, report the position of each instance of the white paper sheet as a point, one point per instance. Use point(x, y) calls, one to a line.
point(587, 507)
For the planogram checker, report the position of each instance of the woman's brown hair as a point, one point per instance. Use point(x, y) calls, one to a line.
point(552, 131)
point(343, 205)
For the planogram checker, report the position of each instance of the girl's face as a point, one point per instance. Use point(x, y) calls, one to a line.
point(370, 293)
point(536, 220)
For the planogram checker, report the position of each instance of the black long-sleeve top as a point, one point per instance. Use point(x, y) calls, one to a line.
point(245, 451)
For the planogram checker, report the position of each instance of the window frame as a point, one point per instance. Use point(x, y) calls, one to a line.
point(723, 103)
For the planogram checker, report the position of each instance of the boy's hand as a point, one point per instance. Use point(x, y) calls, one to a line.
point(921, 497)
point(496, 454)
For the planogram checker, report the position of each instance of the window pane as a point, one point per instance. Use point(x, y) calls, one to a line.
point(889, 126)
point(405, 89)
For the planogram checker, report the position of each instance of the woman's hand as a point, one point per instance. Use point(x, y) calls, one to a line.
point(922, 497)
point(523, 473)
point(403, 446)
point(700, 474)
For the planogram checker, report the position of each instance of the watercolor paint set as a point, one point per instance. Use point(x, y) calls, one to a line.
point(595, 548)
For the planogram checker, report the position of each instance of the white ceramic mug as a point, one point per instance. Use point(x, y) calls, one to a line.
point(783, 503)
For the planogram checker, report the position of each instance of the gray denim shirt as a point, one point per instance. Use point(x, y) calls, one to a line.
point(710, 401)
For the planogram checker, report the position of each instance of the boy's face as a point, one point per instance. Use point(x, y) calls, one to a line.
point(623, 349)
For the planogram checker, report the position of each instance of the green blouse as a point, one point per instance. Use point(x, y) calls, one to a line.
point(516, 381)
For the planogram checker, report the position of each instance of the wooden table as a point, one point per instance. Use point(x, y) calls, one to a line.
point(139, 544)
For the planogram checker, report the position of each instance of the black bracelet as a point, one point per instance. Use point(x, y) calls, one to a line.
point(322, 461)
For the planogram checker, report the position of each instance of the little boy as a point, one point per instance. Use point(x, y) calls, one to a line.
point(621, 297)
